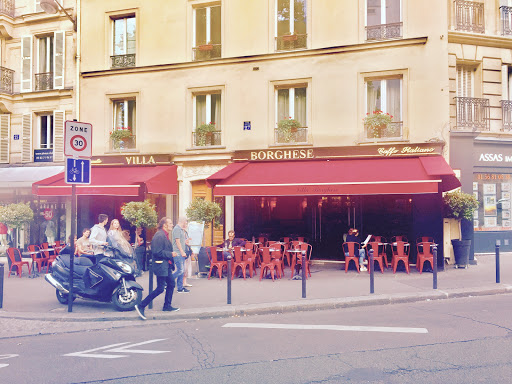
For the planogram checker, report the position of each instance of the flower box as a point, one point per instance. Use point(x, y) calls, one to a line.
point(206, 47)
point(290, 37)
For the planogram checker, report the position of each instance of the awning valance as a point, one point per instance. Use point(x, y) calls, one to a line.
point(115, 181)
point(24, 177)
point(335, 177)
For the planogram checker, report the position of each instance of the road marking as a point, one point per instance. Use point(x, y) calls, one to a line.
point(117, 348)
point(8, 356)
point(356, 328)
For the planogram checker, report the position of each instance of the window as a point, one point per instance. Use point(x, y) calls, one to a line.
point(5, 133)
point(46, 132)
point(291, 31)
point(124, 42)
point(123, 132)
point(384, 95)
point(207, 119)
point(44, 73)
point(505, 15)
point(207, 32)
point(465, 81)
point(291, 103)
point(383, 19)
point(473, 113)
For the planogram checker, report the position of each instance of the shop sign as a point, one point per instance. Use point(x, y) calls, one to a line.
point(492, 155)
point(43, 155)
point(132, 160)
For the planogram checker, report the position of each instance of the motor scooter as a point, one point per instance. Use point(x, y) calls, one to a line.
point(108, 279)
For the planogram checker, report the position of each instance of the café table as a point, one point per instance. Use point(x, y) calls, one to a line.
point(32, 255)
point(295, 265)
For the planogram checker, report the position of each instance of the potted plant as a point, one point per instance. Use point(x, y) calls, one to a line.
point(287, 127)
point(376, 122)
point(16, 215)
point(204, 212)
point(460, 206)
point(119, 135)
point(204, 133)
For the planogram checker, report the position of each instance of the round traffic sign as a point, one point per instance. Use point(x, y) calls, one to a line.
point(78, 143)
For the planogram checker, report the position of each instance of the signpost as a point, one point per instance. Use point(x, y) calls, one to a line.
point(77, 149)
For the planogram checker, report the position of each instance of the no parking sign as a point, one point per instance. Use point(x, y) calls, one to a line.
point(77, 139)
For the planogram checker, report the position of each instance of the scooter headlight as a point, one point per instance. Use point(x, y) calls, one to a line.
point(124, 267)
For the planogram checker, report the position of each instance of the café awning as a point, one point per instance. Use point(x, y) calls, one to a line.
point(24, 177)
point(115, 181)
point(413, 175)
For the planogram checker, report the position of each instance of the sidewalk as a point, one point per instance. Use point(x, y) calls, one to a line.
point(329, 287)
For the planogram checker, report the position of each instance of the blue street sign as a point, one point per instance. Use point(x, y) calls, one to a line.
point(247, 125)
point(78, 171)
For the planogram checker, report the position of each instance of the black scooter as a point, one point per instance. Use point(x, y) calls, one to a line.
point(108, 280)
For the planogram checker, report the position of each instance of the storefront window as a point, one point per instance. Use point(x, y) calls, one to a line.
point(493, 192)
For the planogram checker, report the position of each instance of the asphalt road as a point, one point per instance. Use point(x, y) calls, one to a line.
point(450, 341)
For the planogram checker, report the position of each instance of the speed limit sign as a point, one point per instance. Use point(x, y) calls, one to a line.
point(77, 139)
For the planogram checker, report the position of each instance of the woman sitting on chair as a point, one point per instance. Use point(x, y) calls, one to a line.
point(353, 237)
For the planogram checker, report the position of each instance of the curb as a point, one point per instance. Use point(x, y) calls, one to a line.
point(268, 308)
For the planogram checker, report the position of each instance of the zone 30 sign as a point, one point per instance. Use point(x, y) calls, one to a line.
point(77, 139)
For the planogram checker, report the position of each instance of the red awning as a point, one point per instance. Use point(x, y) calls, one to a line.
point(115, 181)
point(335, 177)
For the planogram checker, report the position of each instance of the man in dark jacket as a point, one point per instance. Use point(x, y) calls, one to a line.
point(162, 252)
point(229, 243)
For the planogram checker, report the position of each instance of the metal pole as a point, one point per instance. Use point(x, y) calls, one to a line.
point(434, 267)
point(497, 264)
point(372, 272)
point(1, 285)
point(304, 274)
point(150, 305)
point(72, 246)
point(229, 278)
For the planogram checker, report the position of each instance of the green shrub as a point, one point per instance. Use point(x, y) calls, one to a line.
point(459, 205)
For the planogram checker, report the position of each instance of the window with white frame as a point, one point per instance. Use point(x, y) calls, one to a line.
point(123, 133)
point(291, 114)
point(291, 25)
point(207, 32)
point(46, 131)
point(383, 19)
point(207, 119)
point(465, 81)
point(45, 54)
point(123, 42)
point(383, 104)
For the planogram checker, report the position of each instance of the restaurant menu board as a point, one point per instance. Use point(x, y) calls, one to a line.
point(195, 231)
point(493, 191)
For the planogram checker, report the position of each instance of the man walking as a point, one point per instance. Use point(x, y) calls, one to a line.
point(161, 249)
point(179, 237)
point(98, 237)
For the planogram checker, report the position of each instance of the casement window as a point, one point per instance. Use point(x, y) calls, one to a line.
point(5, 133)
point(383, 19)
point(49, 134)
point(45, 137)
point(123, 42)
point(385, 95)
point(207, 32)
point(290, 24)
point(124, 121)
point(207, 119)
point(465, 81)
point(291, 103)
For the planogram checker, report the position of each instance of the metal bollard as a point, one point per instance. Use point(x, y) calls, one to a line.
point(150, 305)
point(434, 268)
point(498, 264)
point(304, 274)
point(229, 278)
point(1, 285)
point(372, 272)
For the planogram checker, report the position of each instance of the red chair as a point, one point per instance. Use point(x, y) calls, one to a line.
point(394, 239)
point(424, 255)
point(263, 241)
point(351, 248)
point(239, 262)
point(37, 258)
point(251, 257)
point(49, 256)
point(16, 260)
point(297, 258)
point(400, 253)
point(276, 253)
point(425, 239)
point(214, 263)
point(267, 264)
point(377, 256)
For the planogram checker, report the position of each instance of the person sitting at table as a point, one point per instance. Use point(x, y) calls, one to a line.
point(229, 243)
point(83, 246)
point(353, 237)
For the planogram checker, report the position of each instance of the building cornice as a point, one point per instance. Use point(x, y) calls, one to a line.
point(263, 57)
point(44, 95)
point(479, 39)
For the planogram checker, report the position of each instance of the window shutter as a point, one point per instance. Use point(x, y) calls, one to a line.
point(59, 49)
point(5, 128)
point(26, 138)
point(26, 64)
point(58, 135)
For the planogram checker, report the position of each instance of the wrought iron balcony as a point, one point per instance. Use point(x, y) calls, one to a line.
point(298, 135)
point(291, 42)
point(469, 16)
point(506, 115)
point(392, 130)
point(44, 81)
point(506, 20)
point(207, 52)
point(123, 61)
point(473, 114)
point(384, 31)
point(207, 139)
point(7, 7)
point(6, 76)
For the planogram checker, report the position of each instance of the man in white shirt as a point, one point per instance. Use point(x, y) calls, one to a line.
point(98, 238)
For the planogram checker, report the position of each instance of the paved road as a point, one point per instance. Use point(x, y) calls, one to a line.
point(467, 340)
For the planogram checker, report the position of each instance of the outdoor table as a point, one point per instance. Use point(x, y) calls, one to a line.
point(32, 256)
point(296, 253)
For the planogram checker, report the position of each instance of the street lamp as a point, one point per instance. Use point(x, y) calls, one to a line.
point(52, 7)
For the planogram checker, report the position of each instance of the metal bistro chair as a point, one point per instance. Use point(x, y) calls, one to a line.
point(351, 248)
point(214, 263)
point(297, 258)
point(37, 258)
point(268, 265)
point(400, 253)
point(378, 257)
point(424, 255)
point(239, 262)
point(16, 260)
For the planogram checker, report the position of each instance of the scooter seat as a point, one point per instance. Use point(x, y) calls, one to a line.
point(80, 264)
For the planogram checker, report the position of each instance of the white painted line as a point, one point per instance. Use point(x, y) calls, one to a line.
point(8, 356)
point(98, 356)
point(354, 328)
point(126, 350)
point(117, 348)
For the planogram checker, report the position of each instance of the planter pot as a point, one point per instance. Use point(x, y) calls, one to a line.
point(289, 37)
point(461, 250)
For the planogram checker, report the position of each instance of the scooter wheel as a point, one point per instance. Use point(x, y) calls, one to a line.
point(62, 297)
point(126, 301)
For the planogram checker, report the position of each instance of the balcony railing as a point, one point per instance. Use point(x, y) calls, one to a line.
point(506, 115)
point(121, 145)
point(473, 114)
point(291, 42)
point(207, 52)
point(384, 31)
point(123, 61)
point(469, 16)
point(391, 131)
point(206, 139)
point(6, 76)
point(44, 81)
point(506, 20)
point(300, 135)
point(7, 7)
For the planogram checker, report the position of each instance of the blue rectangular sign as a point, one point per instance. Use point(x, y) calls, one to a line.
point(247, 125)
point(43, 155)
point(78, 171)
